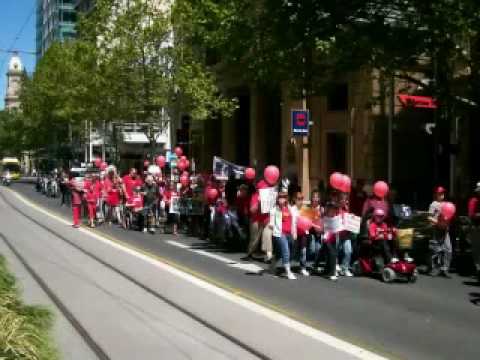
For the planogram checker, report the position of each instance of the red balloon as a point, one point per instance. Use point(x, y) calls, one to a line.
point(337, 181)
point(178, 151)
point(304, 224)
point(271, 174)
point(98, 162)
point(103, 166)
point(347, 184)
point(146, 163)
point(182, 165)
point(250, 174)
point(183, 157)
point(380, 189)
point(187, 163)
point(161, 161)
point(448, 210)
point(212, 194)
point(184, 180)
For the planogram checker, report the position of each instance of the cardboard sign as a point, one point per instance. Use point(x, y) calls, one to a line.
point(352, 223)
point(333, 224)
point(268, 199)
point(174, 205)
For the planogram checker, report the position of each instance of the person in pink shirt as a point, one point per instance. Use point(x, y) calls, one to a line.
point(474, 207)
point(77, 193)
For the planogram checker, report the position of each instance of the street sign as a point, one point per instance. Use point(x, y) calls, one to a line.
point(300, 122)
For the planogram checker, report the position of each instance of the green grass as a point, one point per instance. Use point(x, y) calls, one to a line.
point(25, 331)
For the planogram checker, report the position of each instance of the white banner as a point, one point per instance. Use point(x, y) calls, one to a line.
point(174, 205)
point(333, 224)
point(352, 223)
point(268, 199)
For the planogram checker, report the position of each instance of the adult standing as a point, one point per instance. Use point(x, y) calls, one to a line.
point(440, 244)
point(150, 197)
point(259, 230)
point(130, 182)
point(77, 192)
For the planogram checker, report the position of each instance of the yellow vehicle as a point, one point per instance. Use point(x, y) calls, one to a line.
point(12, 165)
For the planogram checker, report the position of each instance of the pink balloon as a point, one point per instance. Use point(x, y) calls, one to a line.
point(146, 163)
point(304, 224)
point(337, 181)
point(183, 157)
point(103, 166)
point(178, 151)
point(380, 189)
point(448, 210)
point(187, 163)
point(271, 174)
point(182, 165)
point(184, 180)
point(250, 174)
point(346, 184)
point(161, 161)
point(98, 162)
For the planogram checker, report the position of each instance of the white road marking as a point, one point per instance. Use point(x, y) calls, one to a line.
point(230, 262)
point(295, 325)
point(202, 252)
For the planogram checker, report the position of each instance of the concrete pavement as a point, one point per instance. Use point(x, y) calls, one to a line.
point(136, 307)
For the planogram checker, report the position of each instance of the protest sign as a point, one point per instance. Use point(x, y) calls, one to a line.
point(268, 199)
point(352, 223)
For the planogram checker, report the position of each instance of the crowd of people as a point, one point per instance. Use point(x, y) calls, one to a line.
point(242, 214)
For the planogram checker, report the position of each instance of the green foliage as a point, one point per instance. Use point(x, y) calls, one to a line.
point(24, 330)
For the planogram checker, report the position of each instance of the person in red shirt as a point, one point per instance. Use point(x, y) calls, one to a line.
point(77, 193)
point(90, 194)
point(130, 182)
point(474, 207)
point(259, 231)
point(381, 236)
point(282, 224)
point(113, 191)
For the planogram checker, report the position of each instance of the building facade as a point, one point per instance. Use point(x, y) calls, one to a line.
point(14, 82)
point(55, 22)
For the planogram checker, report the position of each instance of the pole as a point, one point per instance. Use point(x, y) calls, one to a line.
point(305, 156)
point(391, 116)
point(86, 142)
point(90, 141)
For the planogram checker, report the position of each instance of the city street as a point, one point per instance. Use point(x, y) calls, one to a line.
point(435, 318)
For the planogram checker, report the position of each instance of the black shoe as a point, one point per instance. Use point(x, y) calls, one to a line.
point(267, 261)
point(445, 274)
point(247, 258)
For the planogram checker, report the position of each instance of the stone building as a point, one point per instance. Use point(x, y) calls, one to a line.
point(14, 82)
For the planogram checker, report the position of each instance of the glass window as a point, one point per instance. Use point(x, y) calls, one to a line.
point(337, 98)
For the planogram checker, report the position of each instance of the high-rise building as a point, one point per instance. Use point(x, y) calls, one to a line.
point(14, 83)
point(85, 6)
point(55, 22)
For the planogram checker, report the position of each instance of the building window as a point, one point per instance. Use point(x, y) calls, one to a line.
point(337, 98)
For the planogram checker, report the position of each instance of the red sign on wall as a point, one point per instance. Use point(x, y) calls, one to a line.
point(424, 102)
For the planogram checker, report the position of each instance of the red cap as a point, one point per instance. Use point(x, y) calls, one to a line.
point(440, 190)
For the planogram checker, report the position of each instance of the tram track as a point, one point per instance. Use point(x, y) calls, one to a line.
point(94, 346)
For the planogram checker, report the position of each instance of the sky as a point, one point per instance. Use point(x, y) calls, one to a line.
point(17, 31)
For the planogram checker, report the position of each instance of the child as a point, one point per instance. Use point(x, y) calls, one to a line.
point(381, 236)
point(284, 228)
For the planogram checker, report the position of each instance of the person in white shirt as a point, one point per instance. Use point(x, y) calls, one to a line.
point(284, 228)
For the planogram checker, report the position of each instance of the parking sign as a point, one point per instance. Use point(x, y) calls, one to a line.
point(300, 122)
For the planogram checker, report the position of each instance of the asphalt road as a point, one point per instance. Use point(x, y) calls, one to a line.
point(435, 318)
